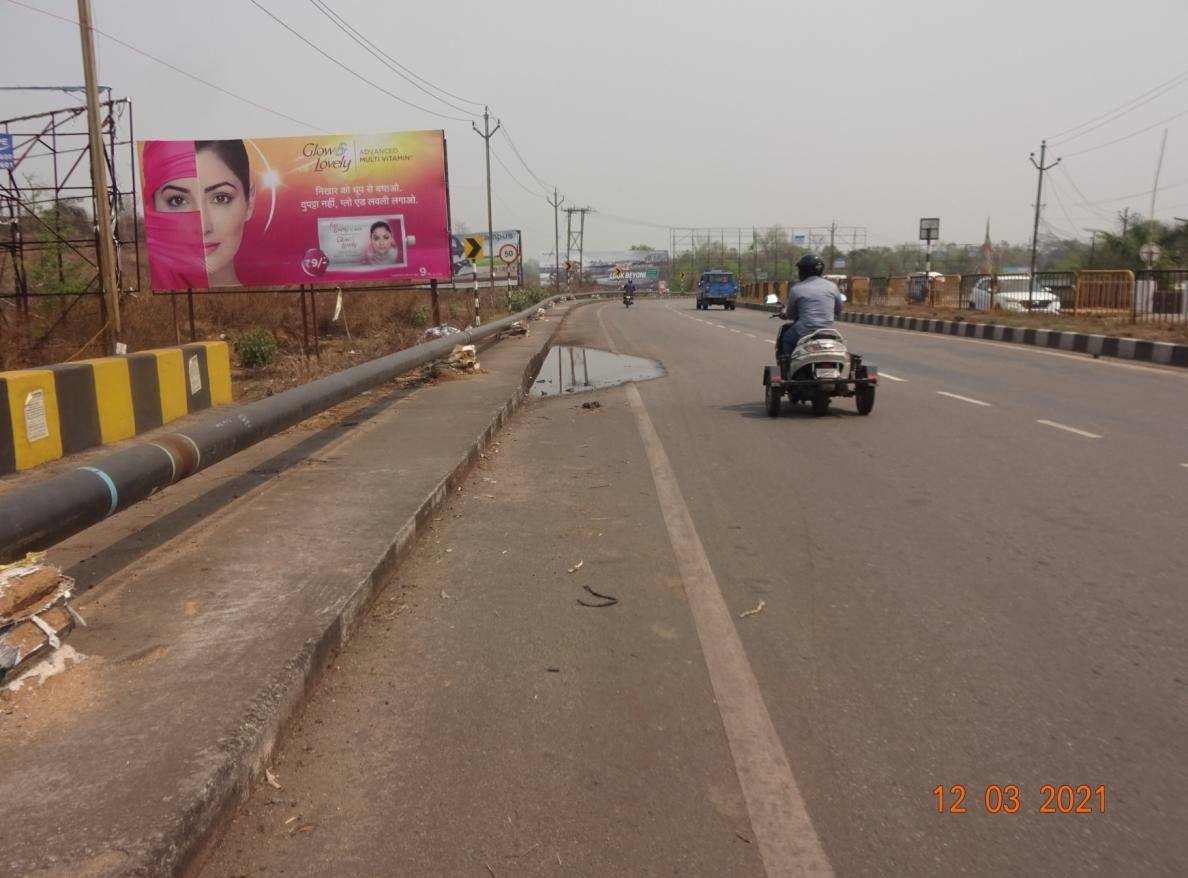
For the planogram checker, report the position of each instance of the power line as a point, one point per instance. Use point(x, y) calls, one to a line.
point(1063, 209)
point(1128, 136)
point(1134, 103)
point(343, 25)
point(172, 67)
point(515, 179)
point(351, 71)
point(512, 144)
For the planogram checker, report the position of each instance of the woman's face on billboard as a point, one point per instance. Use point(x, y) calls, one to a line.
point(381, 240)
point(218, 194)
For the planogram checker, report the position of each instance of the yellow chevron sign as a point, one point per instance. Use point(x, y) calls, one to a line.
point(472, 248)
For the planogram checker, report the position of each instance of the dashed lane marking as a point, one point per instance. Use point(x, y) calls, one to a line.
point(1068, 429)
point(963, 398)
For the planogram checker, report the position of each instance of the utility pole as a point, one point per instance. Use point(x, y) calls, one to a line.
point(1155, 189)
point(1039, 195)
point(104, 243)
point(1092, 246)
point(486, 134)
point(1124, 215)
point(556, 201)
point(832, 252)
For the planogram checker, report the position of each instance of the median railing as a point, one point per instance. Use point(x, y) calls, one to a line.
point(1140, 297)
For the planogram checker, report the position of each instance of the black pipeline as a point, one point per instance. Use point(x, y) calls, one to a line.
point(46, 513)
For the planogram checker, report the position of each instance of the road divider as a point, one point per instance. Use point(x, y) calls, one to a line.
point(1158, 352)
point(46, 414)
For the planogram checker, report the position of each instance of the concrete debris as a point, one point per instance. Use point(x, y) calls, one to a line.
point(576, 567)
point(271, 778)
point(538, 314)
point(591, 405)
point(438, 332)
point(35, 615)
point(517, 328)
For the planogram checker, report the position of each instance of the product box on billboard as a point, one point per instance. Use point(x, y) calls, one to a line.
point(293, 210)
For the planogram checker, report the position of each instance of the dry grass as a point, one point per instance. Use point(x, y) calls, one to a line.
point(380, 323)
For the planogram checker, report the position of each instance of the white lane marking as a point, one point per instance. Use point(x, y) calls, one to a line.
point(962, 398)
point(788, 843)
point(769, 340)
point(1084, 433)
point(748, 335)
point(736, 330)
point(1185, 465)
point(889, 376)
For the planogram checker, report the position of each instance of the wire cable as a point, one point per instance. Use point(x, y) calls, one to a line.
point(515, 179)
point(1063, 209)
point(1133, 104)
point(546, 186)
point(350, 70)
point(172, 67)
point(1128, 136)
point(343, 25)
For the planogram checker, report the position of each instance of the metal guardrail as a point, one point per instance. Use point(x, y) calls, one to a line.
point(37, 517)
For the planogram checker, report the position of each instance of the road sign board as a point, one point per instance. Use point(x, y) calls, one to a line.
point(509, 253)
point(839, 262)
point(472, 247)
point(929, 228)
point(683, 275)
point(1150, 253)
point(7, 159)
point(568, 265)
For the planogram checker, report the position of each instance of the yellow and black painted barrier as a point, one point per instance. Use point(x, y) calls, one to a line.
point(59, 410)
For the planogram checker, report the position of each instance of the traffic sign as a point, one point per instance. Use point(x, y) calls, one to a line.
point(472, 247)
point(509, 253)
point(929, 228)
point(1150, 252)
point(616, 272)
point(568, 265)
point(7, 159)
point(683, 275)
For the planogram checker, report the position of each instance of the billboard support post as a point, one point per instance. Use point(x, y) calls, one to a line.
point(176, 328)
point(105, 245)
point(304, 326)
point(313, 316)
point(190, 304)
point(435, 298)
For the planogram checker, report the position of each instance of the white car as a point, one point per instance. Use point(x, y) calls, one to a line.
point(1013, 293)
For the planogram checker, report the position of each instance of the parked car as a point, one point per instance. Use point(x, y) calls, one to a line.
point(1013, 293)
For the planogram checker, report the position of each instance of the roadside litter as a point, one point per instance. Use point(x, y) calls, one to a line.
point(591, 405)
point(516, 329)
point(754, 612)
point(35, 615)
point(463, 359)
point(438, 332)
point(607, 600)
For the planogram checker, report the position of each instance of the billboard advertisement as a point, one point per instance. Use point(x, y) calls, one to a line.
point(613, 268)
point(471, 254)
point(294, 210)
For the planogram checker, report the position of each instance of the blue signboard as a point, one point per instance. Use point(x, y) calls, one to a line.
point(7, 160)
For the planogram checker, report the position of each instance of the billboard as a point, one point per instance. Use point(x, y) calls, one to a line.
point(613, 268)
point(471, 254)
point(293, 210)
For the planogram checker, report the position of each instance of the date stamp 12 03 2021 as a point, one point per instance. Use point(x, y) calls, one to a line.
point(1010, 799)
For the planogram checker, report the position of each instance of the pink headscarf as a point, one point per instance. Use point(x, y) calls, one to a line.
point(176, 257)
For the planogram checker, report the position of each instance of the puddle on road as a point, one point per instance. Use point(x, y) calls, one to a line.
point(573, 370)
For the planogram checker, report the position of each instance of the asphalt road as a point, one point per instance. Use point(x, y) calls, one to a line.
point(980, 584)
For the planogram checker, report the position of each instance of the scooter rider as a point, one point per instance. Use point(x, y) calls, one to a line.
point(629, 290)
point(812, 304)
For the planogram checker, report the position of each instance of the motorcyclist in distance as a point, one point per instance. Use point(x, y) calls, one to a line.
point(628, 290)
point(813, 303)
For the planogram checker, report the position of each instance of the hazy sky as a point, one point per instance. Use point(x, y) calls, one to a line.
point(701, 113)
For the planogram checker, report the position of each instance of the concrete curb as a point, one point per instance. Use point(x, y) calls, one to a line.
point(269, 717)
point(1159, 352)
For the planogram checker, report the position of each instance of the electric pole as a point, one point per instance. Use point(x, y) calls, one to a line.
point(103, 238)
point(1039, 195)
point(556, 201)
point(486, 134)
point(1124, 215)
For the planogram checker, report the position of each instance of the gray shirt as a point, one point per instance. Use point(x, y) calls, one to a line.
point(814, 304)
